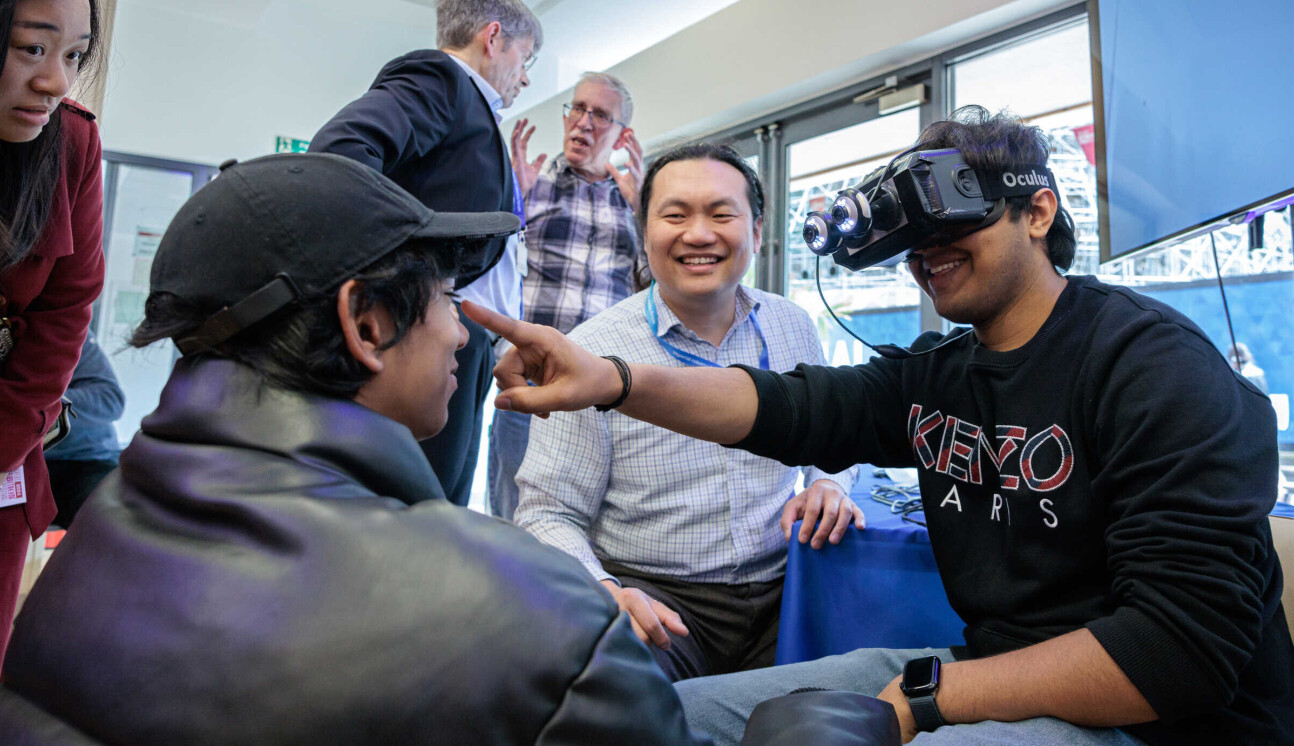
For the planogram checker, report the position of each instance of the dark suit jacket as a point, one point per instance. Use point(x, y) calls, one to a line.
point(425, 124)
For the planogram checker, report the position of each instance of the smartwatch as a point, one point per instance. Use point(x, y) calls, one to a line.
point(920, 683)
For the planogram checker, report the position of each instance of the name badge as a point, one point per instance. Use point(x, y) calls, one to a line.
point(523, 259)
point(14, 489)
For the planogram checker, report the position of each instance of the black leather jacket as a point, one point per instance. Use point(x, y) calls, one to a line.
point(274, 568)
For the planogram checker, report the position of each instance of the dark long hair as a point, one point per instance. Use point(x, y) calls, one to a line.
point(29, 171)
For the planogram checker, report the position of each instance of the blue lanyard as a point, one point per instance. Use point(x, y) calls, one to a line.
point(688, 358)
point(518, 201)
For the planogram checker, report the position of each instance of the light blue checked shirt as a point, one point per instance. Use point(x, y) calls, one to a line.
point(499, 289)
point(605, 486)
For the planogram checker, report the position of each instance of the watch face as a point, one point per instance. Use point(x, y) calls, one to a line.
point(920, 676)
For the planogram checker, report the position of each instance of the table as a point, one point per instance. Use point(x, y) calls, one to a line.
point(877, 588)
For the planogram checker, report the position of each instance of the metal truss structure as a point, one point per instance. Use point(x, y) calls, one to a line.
point(1188, 261)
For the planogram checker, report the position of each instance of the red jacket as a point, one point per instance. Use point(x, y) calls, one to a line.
point(49, 295)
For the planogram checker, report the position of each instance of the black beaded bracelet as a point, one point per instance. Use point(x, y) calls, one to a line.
point(626, 380)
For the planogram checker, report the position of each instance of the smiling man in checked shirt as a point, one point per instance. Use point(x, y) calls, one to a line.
point(690, 537)
point(583, 249)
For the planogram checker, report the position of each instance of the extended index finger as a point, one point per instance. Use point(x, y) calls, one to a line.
point(506, 327)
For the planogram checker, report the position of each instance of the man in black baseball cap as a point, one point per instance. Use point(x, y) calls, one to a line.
point(274, 562)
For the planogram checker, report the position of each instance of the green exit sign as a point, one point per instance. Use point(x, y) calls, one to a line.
point(290, 145)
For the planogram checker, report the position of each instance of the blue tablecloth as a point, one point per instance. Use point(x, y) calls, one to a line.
point(877, 588)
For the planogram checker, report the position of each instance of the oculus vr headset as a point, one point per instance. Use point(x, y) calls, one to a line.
point(920, 199)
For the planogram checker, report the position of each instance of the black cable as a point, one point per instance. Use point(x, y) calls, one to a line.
point(885, 173)
point(817, 264)
point(817, 277)
point(1235, 351)
point(887, 350)
point(910, 511)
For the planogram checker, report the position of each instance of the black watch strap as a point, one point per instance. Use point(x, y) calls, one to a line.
point(926, 713)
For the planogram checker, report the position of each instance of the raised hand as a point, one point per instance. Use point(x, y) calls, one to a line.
point(527, 172)
point(568, 377)
point(629, 181)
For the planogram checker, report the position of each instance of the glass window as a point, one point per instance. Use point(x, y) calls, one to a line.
point(1045, 77)
point(748, 279)
point(146, 199)
point(1046, 74)
point(880, 304)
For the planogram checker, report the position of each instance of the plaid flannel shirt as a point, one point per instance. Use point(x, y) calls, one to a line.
point(583, 248)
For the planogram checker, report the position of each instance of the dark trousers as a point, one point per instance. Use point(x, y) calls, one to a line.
point(452, 452)
point(72, 482)
point(730, 627)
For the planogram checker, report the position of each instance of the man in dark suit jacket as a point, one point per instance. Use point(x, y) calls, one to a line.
point(430, 123)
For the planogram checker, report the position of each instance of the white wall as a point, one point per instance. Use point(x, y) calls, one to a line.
point(202, 88)
point(206, 80)
point(758, 56)
point(582, 35)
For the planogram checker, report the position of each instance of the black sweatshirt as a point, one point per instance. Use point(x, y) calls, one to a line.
point(1114, 473)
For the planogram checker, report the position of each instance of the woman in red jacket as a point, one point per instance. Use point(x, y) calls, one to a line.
point(51, 253)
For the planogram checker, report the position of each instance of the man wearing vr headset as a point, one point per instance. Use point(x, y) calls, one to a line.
point(1096, 482)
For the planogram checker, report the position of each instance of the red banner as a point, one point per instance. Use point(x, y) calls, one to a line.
point(1086, 136)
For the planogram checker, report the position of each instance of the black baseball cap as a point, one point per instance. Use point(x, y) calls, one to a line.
point(275, 230)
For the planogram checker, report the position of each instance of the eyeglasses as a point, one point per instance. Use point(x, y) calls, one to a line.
point(600, 121)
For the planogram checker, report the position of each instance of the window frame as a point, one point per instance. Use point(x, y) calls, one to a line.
point(770, 136)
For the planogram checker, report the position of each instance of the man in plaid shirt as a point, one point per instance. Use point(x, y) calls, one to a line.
point(583, 246)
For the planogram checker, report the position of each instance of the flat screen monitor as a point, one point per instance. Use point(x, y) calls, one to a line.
point(1194, 116)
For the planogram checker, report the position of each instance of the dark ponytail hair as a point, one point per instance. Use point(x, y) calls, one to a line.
point(29, 171)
